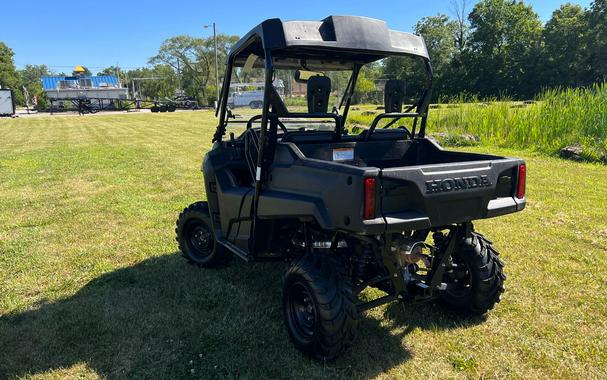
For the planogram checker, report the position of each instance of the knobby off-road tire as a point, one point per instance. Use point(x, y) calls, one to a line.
point(319, 306)
point(476, 285)
point(196, 238)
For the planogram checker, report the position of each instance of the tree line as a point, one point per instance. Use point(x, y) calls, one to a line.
point(182, 62)
point(490, 49)
point(501, 48)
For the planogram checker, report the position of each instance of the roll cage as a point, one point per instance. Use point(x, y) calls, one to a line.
point(335, 43)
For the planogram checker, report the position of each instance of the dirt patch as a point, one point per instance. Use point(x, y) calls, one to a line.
point(533, 204)
point(559, 219)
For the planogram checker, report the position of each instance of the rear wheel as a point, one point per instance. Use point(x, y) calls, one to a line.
point(196, 238)
point(319, 306)
point(476, 280)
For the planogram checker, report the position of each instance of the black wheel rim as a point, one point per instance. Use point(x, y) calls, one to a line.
point(200, 239)
point(301, 311)
point(460, 280)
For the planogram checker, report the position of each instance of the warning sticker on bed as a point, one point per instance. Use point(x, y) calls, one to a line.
point(343, 154)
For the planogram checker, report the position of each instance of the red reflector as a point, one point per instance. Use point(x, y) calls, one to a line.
point(522, 176)
point(369, 205)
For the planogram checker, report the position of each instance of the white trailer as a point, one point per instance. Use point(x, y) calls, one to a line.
point(238, 97)
point(7, 102)
point(253, 99)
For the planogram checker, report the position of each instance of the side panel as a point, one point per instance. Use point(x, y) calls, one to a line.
point(210, 185)
point(328, 192)
point(227, 200)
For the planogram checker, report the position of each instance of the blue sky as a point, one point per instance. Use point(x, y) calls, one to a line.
point(62, 34)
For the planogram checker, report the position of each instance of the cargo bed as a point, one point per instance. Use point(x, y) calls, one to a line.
point(420, 185)
point(387, 153)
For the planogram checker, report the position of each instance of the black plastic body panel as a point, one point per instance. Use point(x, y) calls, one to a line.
point(419, 186)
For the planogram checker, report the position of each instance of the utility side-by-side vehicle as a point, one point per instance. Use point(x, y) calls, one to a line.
point(386, 208)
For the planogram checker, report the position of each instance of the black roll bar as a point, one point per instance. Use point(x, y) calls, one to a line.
point(269, 71)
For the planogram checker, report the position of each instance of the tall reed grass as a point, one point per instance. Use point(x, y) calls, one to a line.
point(558, 118)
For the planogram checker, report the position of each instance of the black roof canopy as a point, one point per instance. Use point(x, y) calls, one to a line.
point(337, 42)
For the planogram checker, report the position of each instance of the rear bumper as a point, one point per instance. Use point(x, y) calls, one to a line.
point(413, 220)
point(503, 206)
point(438, 195)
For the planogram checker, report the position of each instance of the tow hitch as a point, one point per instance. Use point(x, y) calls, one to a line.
point(415, 268)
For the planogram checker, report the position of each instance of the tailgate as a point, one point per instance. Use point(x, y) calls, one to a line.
point(436, 195)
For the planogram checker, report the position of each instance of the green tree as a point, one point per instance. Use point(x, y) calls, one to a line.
point(193, 59)
point(364, 88)
point(441, 35)
point(439, 32)
point(8, 73)
point(411, 70)
point(112, 70)
point(155, 82)
point(504, 46)
point(224, 45)
point(459, 10)
point(30, 78)
point(597, 39)
point(565, 51)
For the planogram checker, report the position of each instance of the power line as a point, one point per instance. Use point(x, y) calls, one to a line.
point(72, 66)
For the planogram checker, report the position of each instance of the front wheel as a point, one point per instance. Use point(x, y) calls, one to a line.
point(475, 280)
point(319, 306)
point(196, 238)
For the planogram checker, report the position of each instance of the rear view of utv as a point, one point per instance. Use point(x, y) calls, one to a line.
point(385, 208)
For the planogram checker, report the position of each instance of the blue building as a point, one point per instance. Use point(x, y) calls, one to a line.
point(99, 91)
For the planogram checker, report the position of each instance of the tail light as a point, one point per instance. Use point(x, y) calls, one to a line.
point(522, 177)
point(369, 201)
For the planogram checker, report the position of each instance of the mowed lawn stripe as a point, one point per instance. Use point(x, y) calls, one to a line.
point(91, 284)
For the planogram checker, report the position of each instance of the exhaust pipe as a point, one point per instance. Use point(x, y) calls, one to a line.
point(410, 251)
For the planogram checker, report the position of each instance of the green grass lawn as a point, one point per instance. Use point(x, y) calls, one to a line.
point(91, 284)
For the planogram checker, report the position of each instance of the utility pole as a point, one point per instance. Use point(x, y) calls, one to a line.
point(117, 72)
point(216, 66)
point(216, 63)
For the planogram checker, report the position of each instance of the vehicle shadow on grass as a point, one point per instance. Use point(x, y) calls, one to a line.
point(163, 318)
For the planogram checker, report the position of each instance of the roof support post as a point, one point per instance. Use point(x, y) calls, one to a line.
point(351, 88)
point(222, 103)
point(259, 170)
point(425, 102)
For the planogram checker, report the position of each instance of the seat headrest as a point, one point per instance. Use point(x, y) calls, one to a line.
point(319, 90)
point(394, 96)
